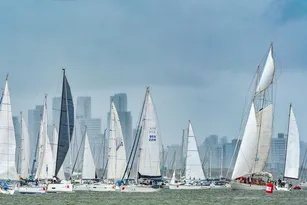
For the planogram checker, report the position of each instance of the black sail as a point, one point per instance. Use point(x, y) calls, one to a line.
point(66, 126)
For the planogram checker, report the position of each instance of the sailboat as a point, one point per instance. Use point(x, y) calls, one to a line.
point(292, 159)
point(193, 171)
point(66, 128)
point(30, 188)
point(7, 141)
point(45, 166)
point(116, 157)
point(88, 167)
point(147, 146)
point(248, 173)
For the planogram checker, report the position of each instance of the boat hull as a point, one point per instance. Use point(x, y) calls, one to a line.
point(56, 188)
point(9, 191)
point(101, 187)
point(277, 188)
point(32, 190)
point(243, 186)
point(136, 188)
point(81, 187)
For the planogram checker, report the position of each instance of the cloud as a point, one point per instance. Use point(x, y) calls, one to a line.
point(198, 56)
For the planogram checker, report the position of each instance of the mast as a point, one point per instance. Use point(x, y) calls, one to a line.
point(286, 145)
point(182, 155)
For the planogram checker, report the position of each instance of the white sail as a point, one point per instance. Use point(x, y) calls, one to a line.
point(149, 159)
point(25, 150)
point(248, 149)
point(88, 169)
point(173, 180)
point(268, 72)
point(293, 149)
point(120, 146)
point(45, 167)
point(264, 126)
point(54, 152)
point(112, 147)
point(7, 138)
point(193, 168)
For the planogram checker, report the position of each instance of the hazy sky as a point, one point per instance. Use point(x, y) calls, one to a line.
point(198, 56)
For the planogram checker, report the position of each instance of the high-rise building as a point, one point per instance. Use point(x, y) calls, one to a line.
point(120, 101)
point(56, 111)
point(34, 118)
point(230, 153)
point(17, 129)
point(276, 160)
point(84, 108)
point(93, 130)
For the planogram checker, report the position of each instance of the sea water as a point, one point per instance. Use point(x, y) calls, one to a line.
point(164, 197)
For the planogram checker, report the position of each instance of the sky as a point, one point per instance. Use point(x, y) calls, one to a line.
point(199, 57)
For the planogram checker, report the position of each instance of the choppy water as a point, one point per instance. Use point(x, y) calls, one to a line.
point(176, 197)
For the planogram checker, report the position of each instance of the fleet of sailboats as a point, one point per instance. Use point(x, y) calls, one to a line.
point(140, 171)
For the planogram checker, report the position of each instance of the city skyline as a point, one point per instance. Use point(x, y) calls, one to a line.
point(199, 57)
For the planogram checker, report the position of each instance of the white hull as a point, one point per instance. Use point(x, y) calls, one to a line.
point(81, 187)
point(243, 186)
point(282, 188)
point(9, 191)
point(226, 186)
point(32, 190)
point(138, 188)
point(101, 187)
point(55, 188)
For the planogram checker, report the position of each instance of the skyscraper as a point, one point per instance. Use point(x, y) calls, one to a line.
point(56, 111)
point(120, 101)
point(34, 118)
point(84, 108)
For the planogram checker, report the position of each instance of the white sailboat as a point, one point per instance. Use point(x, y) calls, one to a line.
point(25, 171)
point(147, 144)
point(66, 128)
point(292, 160)
point(45, 167)
point(116, 157)
point(7, 140)
point(193, 171)
point(25, 150)
point(248, 172)
point(88, 167)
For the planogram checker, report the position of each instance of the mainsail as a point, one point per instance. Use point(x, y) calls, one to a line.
point(150, 144)
point(117, 153)
point(193, 164)
point(7, 137)
point(66, 126)
point(292, 163)
point(25, 149)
